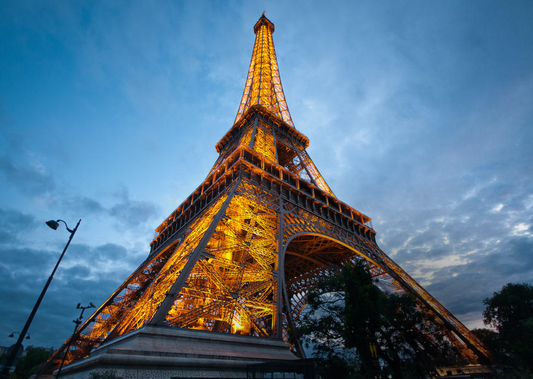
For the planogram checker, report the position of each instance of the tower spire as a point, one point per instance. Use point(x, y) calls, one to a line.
point(263, 84)
point(239, 256)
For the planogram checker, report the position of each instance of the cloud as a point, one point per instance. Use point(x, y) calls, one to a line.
point(30, 179)
point(483, 273)
point(14, 223)
point(132, 213)
point(82, 205)
point(87, 274)
point(514, 257)
point(127, 213)
point(111, 251)
point(76, 272)
point(465, 239)
point(22, 260)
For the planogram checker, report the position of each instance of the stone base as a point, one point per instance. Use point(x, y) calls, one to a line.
point(155, 352)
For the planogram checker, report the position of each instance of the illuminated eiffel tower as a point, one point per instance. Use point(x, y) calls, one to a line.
point(239, 254)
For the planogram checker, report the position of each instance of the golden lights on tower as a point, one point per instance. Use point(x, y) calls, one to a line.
point(263, 84)
point(238, 255)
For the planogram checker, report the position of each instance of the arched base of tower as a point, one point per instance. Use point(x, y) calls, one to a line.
point(155, 352)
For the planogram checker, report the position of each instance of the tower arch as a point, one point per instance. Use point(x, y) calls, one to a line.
point(308, 255)
point(237, 255)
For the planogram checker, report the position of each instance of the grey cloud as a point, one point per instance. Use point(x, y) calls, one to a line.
point(484, 274)
point(452, 293)
point(81, 250)
point(477, 230)
point(132, 213)
point(94, 256)
point(6, 237)
point(15, 221)
point(23, 273)
point(28, 179)
point(516, 257)
point(111, 251)
point(25, 259)
point(451, 284)
point(13, 224)
point(76, 272)
point(127, 213)
point(83, 205)
point(53, 321)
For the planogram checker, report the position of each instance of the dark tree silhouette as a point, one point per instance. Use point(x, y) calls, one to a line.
point(347, 312)
point(510, 312)
point(28, 364)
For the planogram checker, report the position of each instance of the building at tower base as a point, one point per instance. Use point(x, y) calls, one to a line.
point(156, 352)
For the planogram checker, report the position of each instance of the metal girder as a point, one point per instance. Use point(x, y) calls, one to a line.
point(263, 84)
point(241, 252)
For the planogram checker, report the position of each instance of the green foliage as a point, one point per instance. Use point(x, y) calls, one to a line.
point(28, 364)
point(347, 311)
point(509, 373)
point(510, 312)
point(342, 315)
point(362, 306)
point(491, 339)
point(336, 367)
point(409, 338)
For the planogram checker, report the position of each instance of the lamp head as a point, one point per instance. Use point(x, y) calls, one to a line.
point(12, 335)
point(28, 336)
point(53, 224)
point(92, 305)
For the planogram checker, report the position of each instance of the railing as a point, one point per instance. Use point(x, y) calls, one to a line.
point(304, 193)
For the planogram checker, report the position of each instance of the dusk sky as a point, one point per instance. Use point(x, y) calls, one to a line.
point(419, 114)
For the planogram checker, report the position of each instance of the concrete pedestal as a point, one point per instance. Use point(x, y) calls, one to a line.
point(154, 352)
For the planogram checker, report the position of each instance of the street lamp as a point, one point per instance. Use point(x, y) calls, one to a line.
point(18, 345)
point(77, 323)
point(13, 335)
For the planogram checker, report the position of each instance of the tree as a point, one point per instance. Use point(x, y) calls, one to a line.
point(347, 311)
point(342, 316)
point(510, 312)
point(28, 364)
point(491, 339)
point(410, 338)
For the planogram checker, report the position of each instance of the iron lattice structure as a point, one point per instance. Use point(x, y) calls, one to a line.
point(240, 253)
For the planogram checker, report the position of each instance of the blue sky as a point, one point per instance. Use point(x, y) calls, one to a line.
point(419, 114)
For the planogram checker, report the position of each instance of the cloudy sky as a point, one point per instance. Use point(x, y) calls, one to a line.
point(419, 114)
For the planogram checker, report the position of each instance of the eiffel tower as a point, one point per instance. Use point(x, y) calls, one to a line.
point(239, 254)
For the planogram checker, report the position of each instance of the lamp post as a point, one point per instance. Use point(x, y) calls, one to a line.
point(18, 345)
point(77, 323)
point(13, 335)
